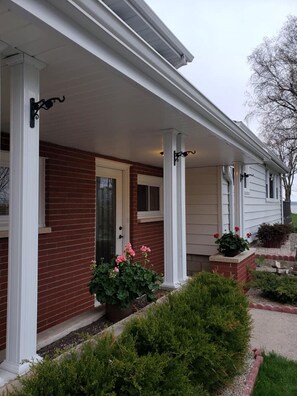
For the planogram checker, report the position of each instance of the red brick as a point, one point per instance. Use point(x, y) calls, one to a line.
point(66, 253)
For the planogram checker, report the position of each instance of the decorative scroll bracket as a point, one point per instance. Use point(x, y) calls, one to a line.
point(179, 154)
point(42, 104)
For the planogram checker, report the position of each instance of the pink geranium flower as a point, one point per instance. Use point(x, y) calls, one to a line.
point(128, 250)
point(145, 249)
point(116, 269)
point(120, 259)
point(236, 228)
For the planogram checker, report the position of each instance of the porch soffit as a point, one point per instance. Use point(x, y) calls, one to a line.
point(105, 112)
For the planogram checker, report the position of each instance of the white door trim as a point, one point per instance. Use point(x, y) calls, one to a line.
point(125, 169)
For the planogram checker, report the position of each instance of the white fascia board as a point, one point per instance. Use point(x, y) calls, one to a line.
point(95, 28)
point(157, 24)
point(271, 158)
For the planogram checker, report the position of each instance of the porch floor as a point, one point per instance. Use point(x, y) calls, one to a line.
point(53, 334)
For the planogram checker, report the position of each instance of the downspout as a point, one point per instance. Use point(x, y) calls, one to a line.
point(238, 198)
point(228, 175)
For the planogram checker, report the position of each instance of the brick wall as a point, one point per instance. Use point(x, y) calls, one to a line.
point(65, 254)
point(238, 271)
point(149, 234)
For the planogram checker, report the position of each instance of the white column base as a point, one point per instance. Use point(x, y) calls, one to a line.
point(19, 369)
point(170, 286)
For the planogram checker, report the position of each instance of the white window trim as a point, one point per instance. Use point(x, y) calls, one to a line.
point(149, 216)
point(275, 185)
point(4, 220)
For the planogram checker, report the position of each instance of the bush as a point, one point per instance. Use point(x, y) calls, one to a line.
point(278, 288)
point(193, 344)
point(206, 325)
point(273, 235)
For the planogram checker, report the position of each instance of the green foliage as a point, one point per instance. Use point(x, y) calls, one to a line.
point(193, 344)
point(122, 288)
point(273, 235)
point(294, 221)
point(277, 376)
point(230, 243)
point(260, 260)
point(205, 325)
point(278, 288)
point(122, 281)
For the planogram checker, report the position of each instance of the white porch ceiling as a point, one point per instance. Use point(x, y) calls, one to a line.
point(104, 112)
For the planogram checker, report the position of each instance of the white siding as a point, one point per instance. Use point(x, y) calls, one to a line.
point(225, 205)
point(202, 212)
point(256, 208)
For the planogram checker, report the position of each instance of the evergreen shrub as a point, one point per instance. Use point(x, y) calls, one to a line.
point(282, 289)
point(193, 344)
point(273, 235)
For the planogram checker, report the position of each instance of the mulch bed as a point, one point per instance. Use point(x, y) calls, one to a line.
point(78, 336)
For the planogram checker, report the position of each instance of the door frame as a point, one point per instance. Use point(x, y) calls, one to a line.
point(125, 169)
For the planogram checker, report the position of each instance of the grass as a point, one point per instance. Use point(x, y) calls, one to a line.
point(294, 220)
point(277, 376)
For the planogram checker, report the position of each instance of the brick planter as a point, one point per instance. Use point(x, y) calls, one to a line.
point(234, 267)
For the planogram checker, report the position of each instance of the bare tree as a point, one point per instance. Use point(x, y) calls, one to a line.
point(274, 98)
point(4, 194)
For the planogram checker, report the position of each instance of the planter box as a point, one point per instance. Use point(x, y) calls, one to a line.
point(234, 267)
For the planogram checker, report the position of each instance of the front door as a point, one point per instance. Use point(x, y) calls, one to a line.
point(109, 213)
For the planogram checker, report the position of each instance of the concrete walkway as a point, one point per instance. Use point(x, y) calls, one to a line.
point(275, 331)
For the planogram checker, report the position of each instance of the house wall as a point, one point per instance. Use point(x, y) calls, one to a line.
point(66, 253)
point(150, 234)
point(256, 208)
point(202, 210)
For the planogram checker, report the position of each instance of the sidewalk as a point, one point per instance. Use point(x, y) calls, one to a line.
point(274, 331)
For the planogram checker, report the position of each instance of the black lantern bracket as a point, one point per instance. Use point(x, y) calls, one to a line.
point(179, 154)
point(45, 104)
point(245, 175)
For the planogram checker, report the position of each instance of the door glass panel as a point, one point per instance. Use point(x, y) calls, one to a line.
point(4, 191)
point(105, 219)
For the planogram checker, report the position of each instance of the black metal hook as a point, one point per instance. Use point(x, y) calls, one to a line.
point(245, 175)
point(45, 104)
point(179, 154)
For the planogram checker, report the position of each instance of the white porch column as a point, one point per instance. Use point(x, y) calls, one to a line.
point(238, 196)
point(2, 48)
point(170, 211)
point(181, 212)
point(23, 216)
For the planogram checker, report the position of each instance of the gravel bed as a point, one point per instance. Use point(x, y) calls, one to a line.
point(238, 388)
point(78, 336)
point(256, 296)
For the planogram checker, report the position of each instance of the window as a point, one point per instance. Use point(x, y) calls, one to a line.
point(4, 191)
point(272, 185)
point(149, 198)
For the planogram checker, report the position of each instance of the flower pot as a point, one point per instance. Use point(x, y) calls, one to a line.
point(115, 313)
point(231, 253)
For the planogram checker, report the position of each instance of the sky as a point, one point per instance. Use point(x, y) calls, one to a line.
point(221, 34)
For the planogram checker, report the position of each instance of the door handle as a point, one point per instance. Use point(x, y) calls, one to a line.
point(121, 236)
point(120, 228)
